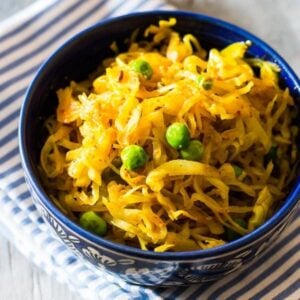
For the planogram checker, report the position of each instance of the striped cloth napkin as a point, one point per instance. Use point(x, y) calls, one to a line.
point(25, 41)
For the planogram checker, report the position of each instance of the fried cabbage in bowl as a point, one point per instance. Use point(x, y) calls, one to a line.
point(232, 104)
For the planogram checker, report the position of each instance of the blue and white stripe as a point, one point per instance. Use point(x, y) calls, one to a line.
point(26, 40)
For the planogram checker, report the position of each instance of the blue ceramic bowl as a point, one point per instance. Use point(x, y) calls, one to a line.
point(75, 60)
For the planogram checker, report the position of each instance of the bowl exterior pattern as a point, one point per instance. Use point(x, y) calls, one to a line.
point(138, 270)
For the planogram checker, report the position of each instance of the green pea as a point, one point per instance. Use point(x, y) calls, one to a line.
point(143, 67)
point(178, 136)
point(133, 157)
point(92, 222)
point(194, 151)
point(205, 83)
point(237, 171)
point(230, 234)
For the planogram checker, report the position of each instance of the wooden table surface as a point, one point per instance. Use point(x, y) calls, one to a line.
point(275, 21)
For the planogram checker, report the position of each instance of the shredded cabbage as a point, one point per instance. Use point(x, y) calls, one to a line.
point(172, 204)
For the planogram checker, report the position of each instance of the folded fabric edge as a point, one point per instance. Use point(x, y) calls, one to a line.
point(9, 230)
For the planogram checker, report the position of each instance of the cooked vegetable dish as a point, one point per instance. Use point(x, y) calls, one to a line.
point(169, 147)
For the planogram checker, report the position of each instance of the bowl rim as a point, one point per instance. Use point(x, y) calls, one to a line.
point(280, 215)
